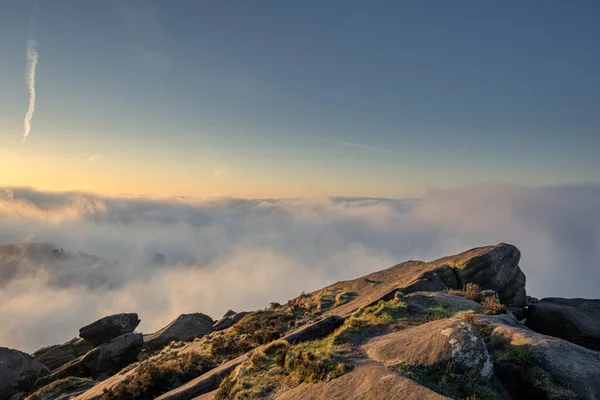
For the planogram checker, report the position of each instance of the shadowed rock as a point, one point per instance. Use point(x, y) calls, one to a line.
point(106, 358)
point(574, 367)
point(575, 320)
point(494, 268)
point(185, 327)
point(55, 356)
point(107, 328)
point(14, 362)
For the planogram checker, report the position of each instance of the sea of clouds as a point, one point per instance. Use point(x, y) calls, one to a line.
point(244, 253)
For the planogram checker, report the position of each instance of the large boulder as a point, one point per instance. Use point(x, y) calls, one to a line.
point(532, 365)
point(575, 320)
point(437, 345)
point(110, 327)
point(493, 267)
point(107, 358)
point(14, 362)
point(184, 327)
point(55, 356)
point(112, 356)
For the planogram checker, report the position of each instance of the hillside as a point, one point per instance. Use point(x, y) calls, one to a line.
point(459, 327)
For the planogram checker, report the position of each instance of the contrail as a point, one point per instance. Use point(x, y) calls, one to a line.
point(32, 60)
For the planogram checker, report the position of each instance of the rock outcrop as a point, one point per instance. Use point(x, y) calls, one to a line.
point(532, 365)
point(55, 356)
point(575, 320)
point(108, 328)
point(229, 319)
point(492, 267)
point(185, 327)
point(393, 334)
point(13, 363)
point(107, 358)
point(437, 345)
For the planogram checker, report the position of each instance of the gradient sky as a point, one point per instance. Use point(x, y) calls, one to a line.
point(293, 98)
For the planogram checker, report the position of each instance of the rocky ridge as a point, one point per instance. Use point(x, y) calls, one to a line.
point(449, 328)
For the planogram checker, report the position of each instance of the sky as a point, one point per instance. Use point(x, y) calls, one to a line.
point(312, 98)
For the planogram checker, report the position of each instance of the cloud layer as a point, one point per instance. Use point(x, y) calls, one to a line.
point(241, 253)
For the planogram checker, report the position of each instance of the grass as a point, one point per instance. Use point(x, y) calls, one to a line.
point(153, 378)
point(444, 380)
point(169, 369)
point(61, 387)
point(280, 364)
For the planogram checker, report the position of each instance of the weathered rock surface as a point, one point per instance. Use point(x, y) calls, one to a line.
point(185, 327)
point(13, 363)
point(420, 302)
point(437, 344)
point(229, 319)
point(492, 267)
point(110, 327)
point(575, 320)
point(315, 330)
point(108, 357)
point(365, 382)
point(574, 367)
point(55, 356)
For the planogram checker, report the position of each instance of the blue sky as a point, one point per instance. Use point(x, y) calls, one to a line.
point(271, 98)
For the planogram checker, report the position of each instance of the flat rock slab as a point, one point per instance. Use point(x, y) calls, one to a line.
point(110, 327)
point(365, 382)
point(437, 344)
point(575, 320)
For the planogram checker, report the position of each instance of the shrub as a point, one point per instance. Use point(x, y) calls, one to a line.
point(491, 305)
point(472, 291)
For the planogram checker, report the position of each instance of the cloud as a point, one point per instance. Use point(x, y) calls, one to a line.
point(237, 253)
point(32, 61)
